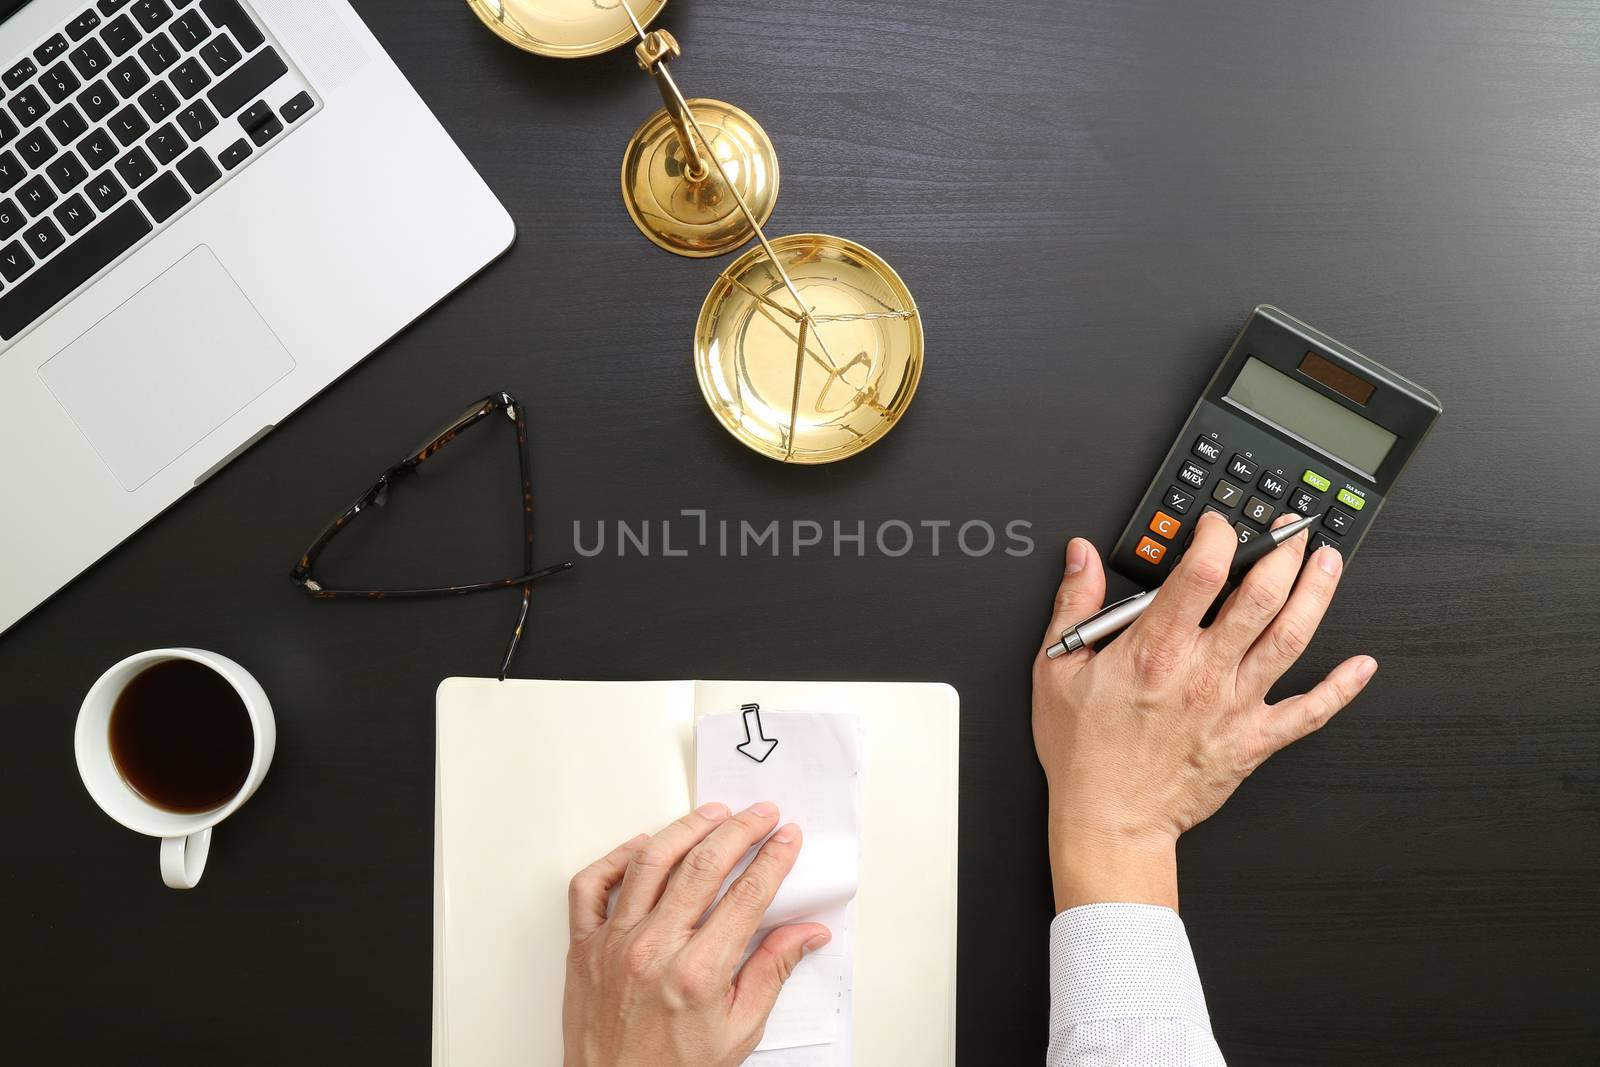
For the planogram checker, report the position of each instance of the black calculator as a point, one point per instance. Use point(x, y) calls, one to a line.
point(1293, 421)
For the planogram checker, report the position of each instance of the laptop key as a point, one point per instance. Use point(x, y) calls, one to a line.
point(197, 120)
point(43, 238)
point(198, 170)
point(93, 250)
point(136, 168)
point(11, 218)
point(90, 58)
point(67, 124)
point(151, 13)
point(220, 55)
point(28, 106)
point(128, 125)
point(231, 17)
point(36, 148)
point(74, 214)
point(14, 261)
point(299, 105)
point(159, 53)
point(111, 7)
point(20, 75)
point(36, 195)
point(158, 101)
point(235, 154)
point(128, 77)
point(60, 82)
point(98, 149)
point(78, 27)
point(166, 144)
point(190, 31)
point(120, 35)
point(255, 115)
point(189, 77)
point(67, 173)
point(104, 190)
point(267, 130)
point(50, 49)
point(11, 171)
point(248, 82)
point(164, 196)
point(97, 101)
point(8, 129)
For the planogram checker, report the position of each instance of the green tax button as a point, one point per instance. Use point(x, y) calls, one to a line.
point(1350, 500)
point(1317, 481)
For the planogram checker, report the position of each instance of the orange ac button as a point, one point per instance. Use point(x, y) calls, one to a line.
point(1165, 525)
point(1150, 550)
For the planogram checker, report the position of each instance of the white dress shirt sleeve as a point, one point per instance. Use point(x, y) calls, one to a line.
point(1124, 991)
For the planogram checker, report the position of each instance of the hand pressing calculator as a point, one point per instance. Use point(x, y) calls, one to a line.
point(1292, 421)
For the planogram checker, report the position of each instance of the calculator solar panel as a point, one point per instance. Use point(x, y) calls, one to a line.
point(1292, 422)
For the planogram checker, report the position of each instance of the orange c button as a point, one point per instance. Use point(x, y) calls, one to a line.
point(1150, 550)
point(1165, 525)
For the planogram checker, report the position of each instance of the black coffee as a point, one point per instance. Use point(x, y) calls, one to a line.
point(181, 737)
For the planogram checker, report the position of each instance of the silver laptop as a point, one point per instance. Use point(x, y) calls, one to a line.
point(209, 209)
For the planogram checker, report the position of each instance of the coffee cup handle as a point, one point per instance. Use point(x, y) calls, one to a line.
point(183, 859)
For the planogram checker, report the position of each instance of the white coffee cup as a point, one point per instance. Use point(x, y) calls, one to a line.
point(185, 838)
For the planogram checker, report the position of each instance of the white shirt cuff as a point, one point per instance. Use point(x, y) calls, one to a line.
point(1122, 961)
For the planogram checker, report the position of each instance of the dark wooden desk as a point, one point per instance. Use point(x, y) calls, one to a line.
point(1087, 198)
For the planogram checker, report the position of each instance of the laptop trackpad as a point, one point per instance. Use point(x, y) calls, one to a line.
point(181, 357)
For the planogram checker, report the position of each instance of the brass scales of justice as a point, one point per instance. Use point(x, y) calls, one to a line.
point(809, 347)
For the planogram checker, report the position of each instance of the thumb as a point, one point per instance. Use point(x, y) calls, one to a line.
point(1082, 592)
point(756, 986)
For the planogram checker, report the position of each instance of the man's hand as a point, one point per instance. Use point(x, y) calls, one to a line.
point(1147, 738)
point(649, 985)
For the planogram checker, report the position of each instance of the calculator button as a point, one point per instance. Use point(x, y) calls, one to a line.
point(1177, 500)
point(1258, 510)
point(1273, 486)
point(1320, 540)
point(1303, 502)
point(1246, 533)
point(1242, 468)
point(1337, 521)
point(1165, 525)
point(1227, 494)
point(1193, 475)
point(1317, 481)
point(1150, 550)
point(1351, 501)
point(1207, 449)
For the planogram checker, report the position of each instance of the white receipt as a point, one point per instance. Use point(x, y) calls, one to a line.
point(813, 774)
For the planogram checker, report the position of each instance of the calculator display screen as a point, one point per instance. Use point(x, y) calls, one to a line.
point(1277, 398)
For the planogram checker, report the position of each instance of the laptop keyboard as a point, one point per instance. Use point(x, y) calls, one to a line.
point(115, 125)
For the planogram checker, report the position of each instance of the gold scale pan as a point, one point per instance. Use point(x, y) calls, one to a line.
point(809, 347)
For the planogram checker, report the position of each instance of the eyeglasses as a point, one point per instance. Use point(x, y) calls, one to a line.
point(479, 413)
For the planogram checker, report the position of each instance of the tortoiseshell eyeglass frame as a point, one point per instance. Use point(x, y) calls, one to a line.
point(378, 494)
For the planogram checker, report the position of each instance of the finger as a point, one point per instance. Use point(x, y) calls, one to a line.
point(1081, 593)
point(694, 884)
point(761, 978)
point(653, 861)
point(738, 914)
point(1289, 720)
point(1173, 619)
point(1287, 636)
point(587, 893)
point(1257, 601)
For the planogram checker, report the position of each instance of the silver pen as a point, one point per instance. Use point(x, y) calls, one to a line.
point(1108, 620)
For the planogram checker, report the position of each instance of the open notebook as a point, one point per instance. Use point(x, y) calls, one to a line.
point(538, 778)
